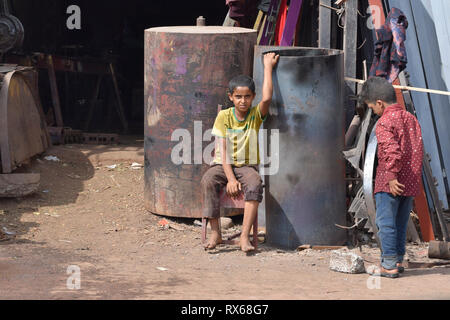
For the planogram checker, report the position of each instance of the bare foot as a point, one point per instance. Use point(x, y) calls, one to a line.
point(213, 241)
point(245, 244)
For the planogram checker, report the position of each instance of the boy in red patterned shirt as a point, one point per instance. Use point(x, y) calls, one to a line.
point(397, 181)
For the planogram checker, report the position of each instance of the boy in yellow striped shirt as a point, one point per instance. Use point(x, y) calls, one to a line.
point(237, 153)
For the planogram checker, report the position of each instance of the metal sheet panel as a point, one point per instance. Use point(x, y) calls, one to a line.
point(305, 198)
point(21, 135)
point(432, 62)
point(441, 16)
point(421, 46)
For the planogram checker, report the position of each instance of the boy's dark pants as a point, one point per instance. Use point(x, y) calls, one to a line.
point(392, 221)
point(215, 179)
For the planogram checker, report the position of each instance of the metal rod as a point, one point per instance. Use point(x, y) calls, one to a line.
point(328, 7)
point(446, 93)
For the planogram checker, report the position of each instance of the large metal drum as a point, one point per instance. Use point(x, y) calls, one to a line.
point(22, 127)
point(187, 70)
point(305, 197)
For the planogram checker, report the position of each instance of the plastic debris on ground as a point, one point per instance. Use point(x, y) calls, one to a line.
point(163, 224)
point(7, 232)
point(136, 165)
point(51, 158)
point(198, 223)
point(52, 214)
point(162, 268)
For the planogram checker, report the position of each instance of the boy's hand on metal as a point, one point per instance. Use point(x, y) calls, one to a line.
point(233, 188)
point(396, 187)
point(271, 59)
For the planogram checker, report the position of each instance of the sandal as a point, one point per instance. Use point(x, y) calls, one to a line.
point(386, 274)
point(389, 275)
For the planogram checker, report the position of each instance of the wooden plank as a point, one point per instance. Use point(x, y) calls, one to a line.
point(119, 105)
point(271, 20)
point(92, 102)
point(261, 30)
point(259, 21)
point(18, 184)
point(54, 91)
point(325, 25)
point(291, 22)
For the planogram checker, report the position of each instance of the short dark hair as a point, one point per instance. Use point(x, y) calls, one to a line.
point(377, 88)
point(241, 81)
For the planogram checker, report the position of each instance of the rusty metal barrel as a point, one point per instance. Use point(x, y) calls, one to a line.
point(305, 196)
point(187, 70)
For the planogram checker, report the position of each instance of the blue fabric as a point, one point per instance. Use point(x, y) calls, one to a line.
point(392, 220)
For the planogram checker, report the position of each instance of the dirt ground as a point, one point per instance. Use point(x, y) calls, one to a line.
point(87, 222)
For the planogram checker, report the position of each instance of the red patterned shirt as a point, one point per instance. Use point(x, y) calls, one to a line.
point(400, 150)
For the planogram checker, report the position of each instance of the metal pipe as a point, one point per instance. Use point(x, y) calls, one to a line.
point(201, 21)
point(352, 131)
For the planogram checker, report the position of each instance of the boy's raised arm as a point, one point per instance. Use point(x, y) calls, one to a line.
point(270, 60)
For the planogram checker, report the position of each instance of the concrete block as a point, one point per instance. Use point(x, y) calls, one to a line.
point(343, 260)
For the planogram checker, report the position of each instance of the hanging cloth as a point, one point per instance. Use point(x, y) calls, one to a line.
point(243, 11)
point(390, 53)
point(264, 5)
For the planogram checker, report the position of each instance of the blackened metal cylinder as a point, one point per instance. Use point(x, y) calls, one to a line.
point(439, 250)
point(305, 186)
point(187, 70)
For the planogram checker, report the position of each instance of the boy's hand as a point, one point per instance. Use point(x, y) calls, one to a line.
point(271, 59)
point(396, 187)
point(233, 188)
